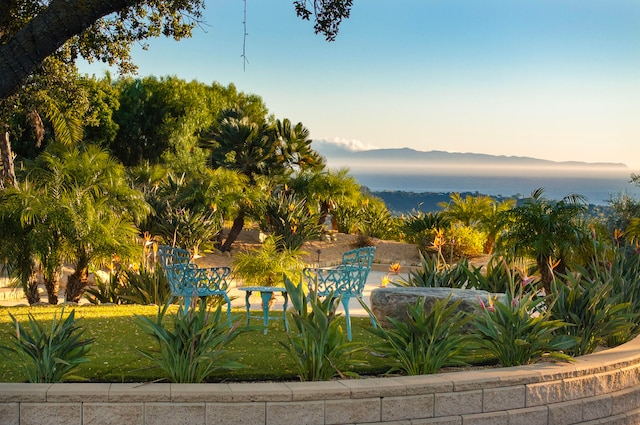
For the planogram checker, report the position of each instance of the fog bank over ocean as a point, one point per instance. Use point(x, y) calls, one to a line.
point(436, 171)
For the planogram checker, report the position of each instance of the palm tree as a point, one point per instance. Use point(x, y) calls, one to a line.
point(256, 149)
point(468, 211)
point(548, 231)
point(331, 188)
point(84, 211)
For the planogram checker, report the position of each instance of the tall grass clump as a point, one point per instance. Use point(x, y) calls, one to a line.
point(50, 353)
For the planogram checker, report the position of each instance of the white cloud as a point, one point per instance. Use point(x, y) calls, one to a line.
point(353, 145)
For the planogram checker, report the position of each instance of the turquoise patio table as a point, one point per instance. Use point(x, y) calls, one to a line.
point(265, 293)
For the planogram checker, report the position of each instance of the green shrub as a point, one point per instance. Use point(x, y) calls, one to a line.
point(290, 220)
point(318, 344)
point(521, 331)
point(465, 242)
point(50, 354)
point(426, 341)
point(146, 287)
point(497, 278)
point(420, 228)
point(376, 221)
point(194, 346)
point(267, 265)
point(434, 272)
point(105, 291)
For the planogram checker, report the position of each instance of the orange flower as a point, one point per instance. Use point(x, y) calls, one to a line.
point(394, 268)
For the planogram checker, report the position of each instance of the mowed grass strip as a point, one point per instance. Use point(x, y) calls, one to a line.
point(117, 337)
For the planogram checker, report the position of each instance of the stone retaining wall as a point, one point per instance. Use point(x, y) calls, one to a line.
point(601, 388)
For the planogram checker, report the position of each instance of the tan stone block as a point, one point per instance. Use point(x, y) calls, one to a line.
point(352, 411)
point(491, 418)
point(577, 388)
point(375, 387)
point(9, 414)
point(251, 413)
point(503, 398)
point(129, 393)
point(609, 382)
point(323, 390)
point(75, 392)
point(529, 416)
point(544, 393)
point(565, 413)
point(20, 392)
point(458, 403)
point(473, 379)
point(50, 413)
point(174, 414)
point(407, 407)
point(451, 420)
point(597, 407)
point(193, 393)
point(626, 400)
point(633, 417)
point(426, 384)
point(260, 391)
point(295, 413)
point(550, 371)
point(112, 413)
point(518, 375)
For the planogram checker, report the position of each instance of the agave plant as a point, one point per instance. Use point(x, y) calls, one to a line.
point(194, 346)
point(427, 340)
point(594, 312)
point(318, 343)
point(520, 331)
point(50, 353)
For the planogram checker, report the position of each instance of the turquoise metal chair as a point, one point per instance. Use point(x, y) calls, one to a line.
point(346, 280)
point(188, 281)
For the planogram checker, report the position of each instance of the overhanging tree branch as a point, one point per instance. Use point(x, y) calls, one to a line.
point(43, 35)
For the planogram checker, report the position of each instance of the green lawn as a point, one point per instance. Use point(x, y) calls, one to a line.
point(114, 357)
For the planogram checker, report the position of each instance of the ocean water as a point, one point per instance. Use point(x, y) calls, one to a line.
point(596, 186)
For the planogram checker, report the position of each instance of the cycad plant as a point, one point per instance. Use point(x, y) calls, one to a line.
point(317, 341)
point(50, 353)
point(427, 340)
point(194, 346)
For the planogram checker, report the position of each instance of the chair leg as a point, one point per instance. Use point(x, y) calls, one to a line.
point(228, 301)
point(187, 303)
point(345, 304)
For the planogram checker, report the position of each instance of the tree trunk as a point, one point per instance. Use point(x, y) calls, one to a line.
point(6, 156)
point(324, 213)
point(546, 274)
point(45, 34)
point(236, 228)
point(33, 297)
point(77, 281)
point(52, 284)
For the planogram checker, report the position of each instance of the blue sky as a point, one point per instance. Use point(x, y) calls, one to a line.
point(551, 79)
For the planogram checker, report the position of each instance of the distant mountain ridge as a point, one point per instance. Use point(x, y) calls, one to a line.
point(341, 156)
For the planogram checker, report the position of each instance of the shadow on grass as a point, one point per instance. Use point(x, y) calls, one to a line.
point(114, 357)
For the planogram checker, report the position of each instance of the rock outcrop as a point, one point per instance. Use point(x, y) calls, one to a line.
point(393, 301)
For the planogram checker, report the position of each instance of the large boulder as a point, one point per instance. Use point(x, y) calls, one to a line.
point(393, 302)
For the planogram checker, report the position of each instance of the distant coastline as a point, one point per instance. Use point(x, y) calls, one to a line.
point(437, 174)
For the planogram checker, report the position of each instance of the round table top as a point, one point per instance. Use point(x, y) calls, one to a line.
point(262, 288)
